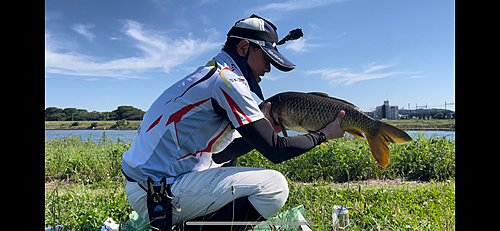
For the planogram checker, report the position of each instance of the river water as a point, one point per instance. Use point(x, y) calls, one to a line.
point(94, 135)
point(129, 135)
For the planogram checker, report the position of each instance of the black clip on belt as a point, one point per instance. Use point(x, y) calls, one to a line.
point(159, 205)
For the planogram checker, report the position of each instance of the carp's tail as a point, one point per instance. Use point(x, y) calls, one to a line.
point(378, 142)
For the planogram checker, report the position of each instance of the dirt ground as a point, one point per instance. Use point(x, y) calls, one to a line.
point(65, 184)
point(378, 182)
point(62, 184)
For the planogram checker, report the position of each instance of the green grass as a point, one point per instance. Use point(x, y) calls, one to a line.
point(399, 207)
point(79, 206)
point(91, 188)
point(421, 159)
point(69, 159)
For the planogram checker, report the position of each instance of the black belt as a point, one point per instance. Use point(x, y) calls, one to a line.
point(129, 179)
point(168, 188)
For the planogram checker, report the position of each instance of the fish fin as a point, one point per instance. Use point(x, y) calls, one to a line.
point(379, 149)
point(333, 98)
point(319, 93)
point(283, 129)
point(355, 133)
point(378, 142)
point(393, 134)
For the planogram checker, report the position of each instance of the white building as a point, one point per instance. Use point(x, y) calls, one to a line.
point(387, 111)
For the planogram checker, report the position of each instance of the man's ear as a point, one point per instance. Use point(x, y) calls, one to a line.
point(243, 47)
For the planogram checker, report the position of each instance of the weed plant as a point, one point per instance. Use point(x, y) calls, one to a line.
point(377, 207)
point(83, 161)
point(86, 206)
point(420, 159)
point(91, 188)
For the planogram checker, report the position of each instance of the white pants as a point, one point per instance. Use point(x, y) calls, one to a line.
point(204, 192)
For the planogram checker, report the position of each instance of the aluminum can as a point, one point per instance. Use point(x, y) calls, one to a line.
point(340, 217)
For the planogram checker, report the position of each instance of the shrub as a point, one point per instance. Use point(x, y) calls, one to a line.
point(122, 122)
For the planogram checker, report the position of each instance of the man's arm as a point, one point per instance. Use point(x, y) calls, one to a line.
point(234, 150)
point(260, 135)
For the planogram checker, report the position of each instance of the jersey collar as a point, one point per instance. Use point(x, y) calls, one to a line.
point(224, 57)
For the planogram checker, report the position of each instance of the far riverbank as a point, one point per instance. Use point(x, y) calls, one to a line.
point(415, 125)
point(423, 125)
point(88, 125)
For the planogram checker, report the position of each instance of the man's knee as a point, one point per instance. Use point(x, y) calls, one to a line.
point(137, 198)
point(272, 195)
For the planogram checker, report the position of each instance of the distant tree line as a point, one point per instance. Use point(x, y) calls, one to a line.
point(73, 114)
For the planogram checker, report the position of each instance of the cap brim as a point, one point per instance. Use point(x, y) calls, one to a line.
point(278, 60)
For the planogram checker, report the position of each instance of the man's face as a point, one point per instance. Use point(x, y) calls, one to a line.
point(259, 62)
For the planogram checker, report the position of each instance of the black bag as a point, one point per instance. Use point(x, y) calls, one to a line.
point(159, 206)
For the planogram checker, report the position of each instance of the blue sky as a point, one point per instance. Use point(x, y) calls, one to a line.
point(103, 54)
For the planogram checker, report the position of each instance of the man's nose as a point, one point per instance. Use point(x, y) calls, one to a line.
point(268, 67)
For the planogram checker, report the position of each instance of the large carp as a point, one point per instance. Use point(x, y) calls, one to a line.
point(307, 112)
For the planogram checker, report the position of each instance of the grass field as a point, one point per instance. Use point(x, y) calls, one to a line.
point(83, 184)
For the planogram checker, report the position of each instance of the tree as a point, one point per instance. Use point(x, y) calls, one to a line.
point(81, 115)
point(54, 114)
point(73, 114)
point(70, 112)
point(127, 112)
point(122, 122)
point(56, 117)
point(94, 115)
point(438, 115)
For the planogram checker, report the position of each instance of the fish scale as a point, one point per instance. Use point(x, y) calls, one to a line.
point(307, 112)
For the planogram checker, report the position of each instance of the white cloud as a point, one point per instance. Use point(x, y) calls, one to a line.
point(417, 76)
point(300, 45)
point(291, 5)
point(83, 30)
point(296, 45)
point(50, 15)
point(156, 52)
point(346, 76)
point(372, 67)
point(272, 77)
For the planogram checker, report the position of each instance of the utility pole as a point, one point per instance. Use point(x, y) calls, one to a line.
point(428, 116)
point(445, 107)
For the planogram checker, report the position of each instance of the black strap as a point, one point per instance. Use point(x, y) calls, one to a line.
point(253, 34)
point(129, 179)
